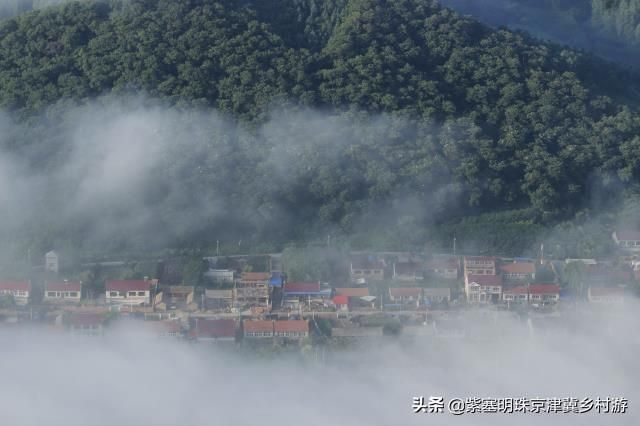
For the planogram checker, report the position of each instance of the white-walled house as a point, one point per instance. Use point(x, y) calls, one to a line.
point(62, 292)
point(20, 290)
point(128, 292)
point(534, 293)
point(483, 288)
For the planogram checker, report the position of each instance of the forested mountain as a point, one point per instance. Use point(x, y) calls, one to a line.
point(344, 116)
point(609, 28)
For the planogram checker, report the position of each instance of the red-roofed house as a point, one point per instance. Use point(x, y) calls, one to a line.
point(405, 295)
point(86, 323)
point(213, 330)
point(518, 271)
point(62, 292)
point(291, 329)
point(129, 292)
point(483, 288)
point(164, 329)
point(627, 239)
point(257, 329)
point(341, 302)
point(20, 291)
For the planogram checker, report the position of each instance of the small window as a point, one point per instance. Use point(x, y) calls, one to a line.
point(132, 293)
point(73, 294)
point(141, 293)
point(113, 294)
point(51, 294)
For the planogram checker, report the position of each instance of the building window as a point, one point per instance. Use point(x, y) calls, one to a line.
point(73, 294)
point(113, 294)
point(141, 293)
point(132, 293)
point(51, 294)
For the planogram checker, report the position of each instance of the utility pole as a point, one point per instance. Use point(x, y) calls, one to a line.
point(217, 247)
point(454, 244)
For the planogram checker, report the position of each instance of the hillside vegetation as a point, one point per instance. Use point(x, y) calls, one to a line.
point(429, 111)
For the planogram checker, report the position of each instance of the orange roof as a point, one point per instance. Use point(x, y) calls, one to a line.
point(253, 326)
point(518, 268)
point(291, 325)
point(353, 292)
point(255, 276)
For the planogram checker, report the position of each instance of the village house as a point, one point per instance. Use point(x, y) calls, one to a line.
point(257, 329)
point(606, 295)
point(533, 293)
point(291, 329)
point(310, 294)
point(518, 271)
point(405, 296)
point(19, 290)
point(176, 297)
point(86, 323)
point(366, 268)
point(628, 240)
point(434, 296)
point(128, 292)
point(171, 329)
point(218, 299)
point(408, 271)
point(479, 265)
point(213, 330)
point(66, 292)
point(483, 288)
point(446, 268)
point(544, 293)
point(357, 296)
point(252, 289)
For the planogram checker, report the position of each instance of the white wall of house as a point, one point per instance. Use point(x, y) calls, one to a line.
point(21, 297)
point(128, 297)
point(54, 296)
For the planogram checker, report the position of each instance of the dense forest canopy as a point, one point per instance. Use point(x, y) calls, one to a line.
point(393, 121)
point(609, 28)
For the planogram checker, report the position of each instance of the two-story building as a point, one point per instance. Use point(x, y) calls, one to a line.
point(479, 265)
point(446, 268)
point(18, 290)
point(483, 288)
point(252, 289)
point(66, 292)
point(128, 292)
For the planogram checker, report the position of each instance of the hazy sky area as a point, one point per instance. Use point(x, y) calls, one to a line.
point(130, 378)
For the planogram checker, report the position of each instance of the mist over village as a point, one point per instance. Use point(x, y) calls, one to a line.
point(352, 212)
